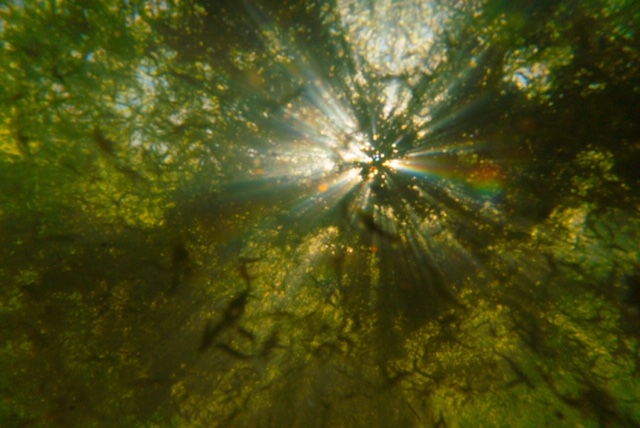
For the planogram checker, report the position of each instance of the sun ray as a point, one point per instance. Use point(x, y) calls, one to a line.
point(388, 154)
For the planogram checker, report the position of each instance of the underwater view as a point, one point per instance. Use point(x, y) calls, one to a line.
point(340, 213)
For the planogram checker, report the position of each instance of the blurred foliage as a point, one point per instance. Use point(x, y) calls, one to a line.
point(152, 276)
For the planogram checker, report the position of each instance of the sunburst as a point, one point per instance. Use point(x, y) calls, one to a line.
point(388, 155)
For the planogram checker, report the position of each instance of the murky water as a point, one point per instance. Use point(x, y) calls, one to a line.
point(344, 213)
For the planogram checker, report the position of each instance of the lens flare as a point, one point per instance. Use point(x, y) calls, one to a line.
point(384, 145)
